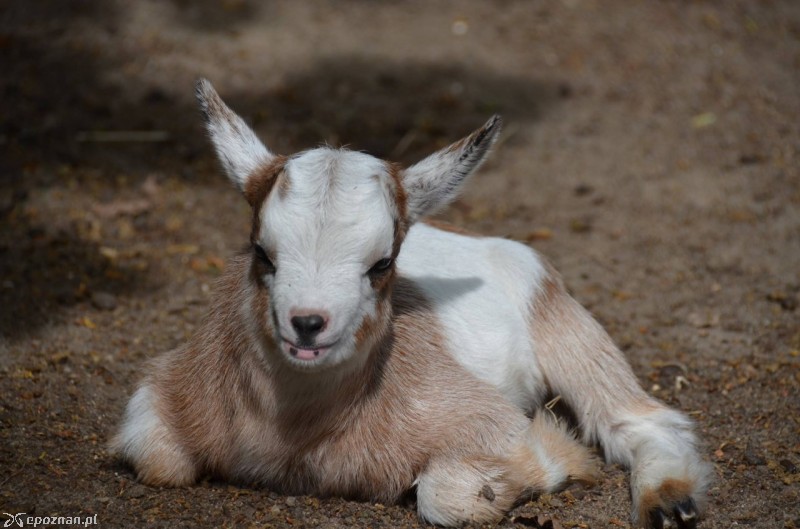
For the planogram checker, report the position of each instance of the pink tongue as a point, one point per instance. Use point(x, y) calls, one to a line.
point(307, 354)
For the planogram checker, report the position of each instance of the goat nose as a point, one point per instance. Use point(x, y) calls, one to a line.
point(308, 326)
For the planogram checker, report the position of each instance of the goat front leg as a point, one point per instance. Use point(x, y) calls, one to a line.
point(542, 457)
point(146, 443)
point(669, 479)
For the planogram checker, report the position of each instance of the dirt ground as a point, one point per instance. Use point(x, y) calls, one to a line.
point(651, 151)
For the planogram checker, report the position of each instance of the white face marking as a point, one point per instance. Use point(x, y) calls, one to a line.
point(335, 221)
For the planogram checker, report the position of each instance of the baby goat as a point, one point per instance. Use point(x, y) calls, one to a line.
point(355, 351)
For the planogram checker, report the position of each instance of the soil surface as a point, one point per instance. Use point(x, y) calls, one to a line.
point(651, 152)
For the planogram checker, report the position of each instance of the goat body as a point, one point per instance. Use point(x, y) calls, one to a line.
point(356, 351)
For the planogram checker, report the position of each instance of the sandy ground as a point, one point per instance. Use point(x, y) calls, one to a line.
point(652, 152)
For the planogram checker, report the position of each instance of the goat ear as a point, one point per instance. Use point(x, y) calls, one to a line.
point(238, 148)
point(435, 181)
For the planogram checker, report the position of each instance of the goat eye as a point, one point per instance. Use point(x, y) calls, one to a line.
point(265, 260)
point(381, 266)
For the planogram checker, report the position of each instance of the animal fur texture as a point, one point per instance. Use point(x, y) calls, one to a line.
point(356, 351)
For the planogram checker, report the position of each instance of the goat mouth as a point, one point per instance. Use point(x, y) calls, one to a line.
point(306, 353)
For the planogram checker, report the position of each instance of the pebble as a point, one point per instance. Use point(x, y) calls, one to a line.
point(291, 501)
point(788, 466)
point(104, 301)
point(671, 371)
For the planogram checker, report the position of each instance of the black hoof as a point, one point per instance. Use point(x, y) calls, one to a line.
point(686, 514)
point(683, 516)
point(658, 519)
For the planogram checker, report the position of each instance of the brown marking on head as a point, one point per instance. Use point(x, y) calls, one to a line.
point(396, 174)
point(401, 223)
point(381, 283)
point(258, 268)
point(260, 184)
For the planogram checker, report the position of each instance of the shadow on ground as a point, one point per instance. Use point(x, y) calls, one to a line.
point(55, 95)
point(44, 272)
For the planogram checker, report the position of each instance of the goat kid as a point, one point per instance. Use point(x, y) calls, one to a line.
point(353, 351)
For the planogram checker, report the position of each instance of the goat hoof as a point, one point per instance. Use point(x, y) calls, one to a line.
point(658, 519)
point(685, 512)
point(683, 516)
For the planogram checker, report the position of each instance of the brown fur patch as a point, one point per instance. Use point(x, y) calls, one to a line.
point(396, 174)
point(560, 447)
point(259, 185)
point(372, 330)
point(670, 492)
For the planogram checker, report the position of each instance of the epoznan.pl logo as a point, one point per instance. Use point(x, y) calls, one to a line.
point(21, 520)
point(14, 519)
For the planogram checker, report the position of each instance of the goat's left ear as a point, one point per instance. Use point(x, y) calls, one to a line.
point(435, 181)
point(239, 150)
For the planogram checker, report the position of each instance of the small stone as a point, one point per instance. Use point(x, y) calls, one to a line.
point(788, 466)
point(291, 501)
point(104, 301)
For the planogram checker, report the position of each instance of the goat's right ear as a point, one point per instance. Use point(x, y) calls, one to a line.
point(238, 148)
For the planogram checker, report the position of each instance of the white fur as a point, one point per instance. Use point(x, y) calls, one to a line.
point(140, 422)
point(238, 148)
point(481, 289)
point(144, 435)
point(323, 236)
point(436, 180)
